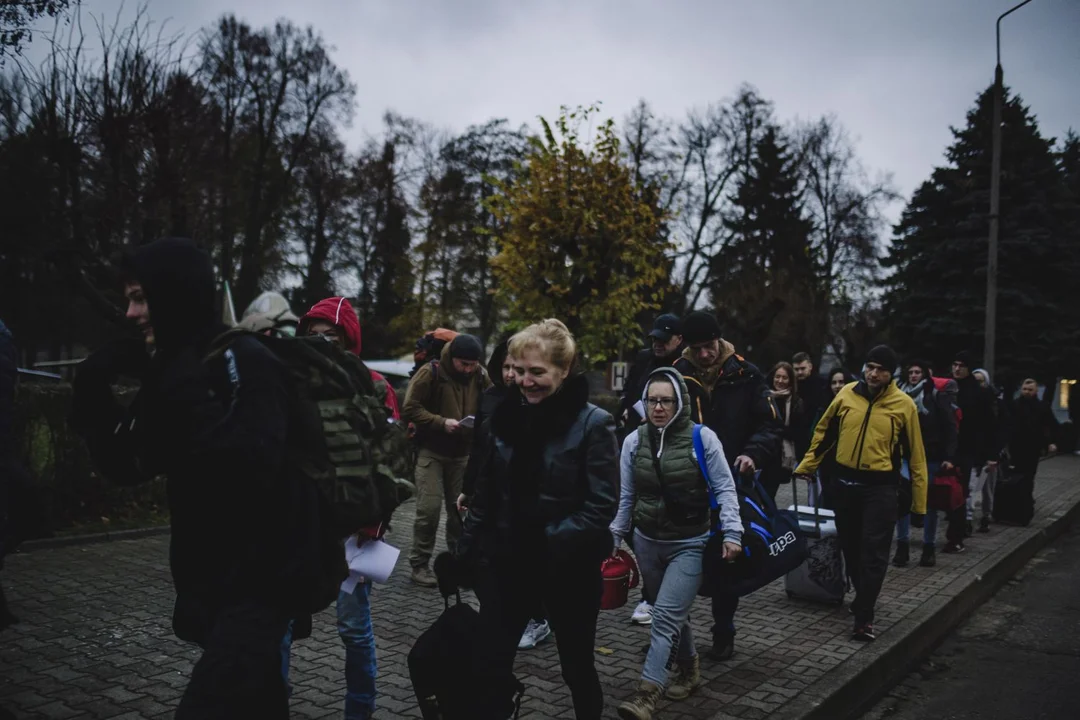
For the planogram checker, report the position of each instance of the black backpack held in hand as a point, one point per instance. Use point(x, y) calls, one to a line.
point(772, 542)
point(451, 665)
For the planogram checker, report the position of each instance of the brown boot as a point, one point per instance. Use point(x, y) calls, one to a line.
point(641, 704)
point(687, 679)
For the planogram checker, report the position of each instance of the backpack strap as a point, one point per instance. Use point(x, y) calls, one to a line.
point(699, 450)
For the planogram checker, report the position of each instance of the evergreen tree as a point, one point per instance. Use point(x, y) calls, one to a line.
point(936, 301)
point(763, 283)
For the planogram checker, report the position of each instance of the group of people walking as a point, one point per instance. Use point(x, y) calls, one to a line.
point(538, 484)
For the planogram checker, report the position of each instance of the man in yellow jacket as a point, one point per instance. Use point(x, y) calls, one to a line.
point(873, 426)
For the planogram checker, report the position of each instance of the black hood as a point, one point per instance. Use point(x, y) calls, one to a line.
point(495, 363)
point(177, 278)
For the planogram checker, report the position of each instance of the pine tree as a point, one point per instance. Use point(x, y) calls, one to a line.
point(936, 301)
point(764, 276)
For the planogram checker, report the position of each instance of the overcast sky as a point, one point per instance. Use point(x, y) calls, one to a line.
point(896, 72)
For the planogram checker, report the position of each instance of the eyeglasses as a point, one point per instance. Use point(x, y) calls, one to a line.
point(666, 403)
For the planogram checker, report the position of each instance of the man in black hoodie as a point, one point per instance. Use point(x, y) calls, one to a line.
point(245, 532)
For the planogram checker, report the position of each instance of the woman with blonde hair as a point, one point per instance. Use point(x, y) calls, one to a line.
point(545, 495)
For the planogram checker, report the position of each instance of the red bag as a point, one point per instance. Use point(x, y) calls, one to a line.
point(946, 492)
point(620, 574)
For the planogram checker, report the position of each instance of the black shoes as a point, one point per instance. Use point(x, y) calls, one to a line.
point(929, 557)
point(723, 647)
point(984, 526)
point(903, 554)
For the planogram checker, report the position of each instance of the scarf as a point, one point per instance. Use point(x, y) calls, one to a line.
point(915, 392)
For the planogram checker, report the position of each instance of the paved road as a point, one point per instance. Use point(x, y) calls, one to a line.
point(1016, 658)
point(96, 640)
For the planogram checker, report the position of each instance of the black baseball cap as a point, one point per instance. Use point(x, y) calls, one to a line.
point(665, 327)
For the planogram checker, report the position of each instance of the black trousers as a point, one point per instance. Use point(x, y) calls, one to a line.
point(865, 518)
point(240, 672)
point(570, 593)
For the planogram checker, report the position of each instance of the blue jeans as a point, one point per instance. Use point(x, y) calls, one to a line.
point(903, 525)
point(672, 572)
point(354, 627)
point(286, 651)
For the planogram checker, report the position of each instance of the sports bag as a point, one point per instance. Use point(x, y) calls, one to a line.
point(772, 542)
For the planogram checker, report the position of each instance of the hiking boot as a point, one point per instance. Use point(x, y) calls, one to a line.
point(723, 647)
point(953, 548)
point(687, 679)
point(424, 578)
point(984, 526)
point(642, 614)
point(929, 557)
point(903, 554)
point(535, 633)
point(641, 704)
point(863, 632)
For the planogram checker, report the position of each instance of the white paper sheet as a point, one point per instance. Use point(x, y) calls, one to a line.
point(468, 422)
point(639, 408)
point(373, 560)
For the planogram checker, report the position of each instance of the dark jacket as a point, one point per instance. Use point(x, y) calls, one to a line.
point(815, 393)
point(244, 525)
point(9, 369)
point(737, 405)
point(1030, 429)
point(549, 487)
point(938, 423)
point(488, 402)
point(979, 439)
point(644, 365)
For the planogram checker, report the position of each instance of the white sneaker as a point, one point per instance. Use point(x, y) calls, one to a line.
point(535, 633)
point(642, 614)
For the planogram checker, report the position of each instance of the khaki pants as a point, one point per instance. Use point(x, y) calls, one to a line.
point(438, 483)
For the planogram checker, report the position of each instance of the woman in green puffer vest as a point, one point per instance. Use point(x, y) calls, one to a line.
point(667, 499)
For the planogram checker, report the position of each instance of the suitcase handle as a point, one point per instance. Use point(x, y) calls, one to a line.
point(817, 502)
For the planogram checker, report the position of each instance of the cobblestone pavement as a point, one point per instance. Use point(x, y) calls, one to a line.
point(95, 641)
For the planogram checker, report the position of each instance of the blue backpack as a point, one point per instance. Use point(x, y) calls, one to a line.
point(772, 543)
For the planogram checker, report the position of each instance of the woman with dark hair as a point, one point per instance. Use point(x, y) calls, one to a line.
point(838, 378)
point(796, 420)
point(545, 495)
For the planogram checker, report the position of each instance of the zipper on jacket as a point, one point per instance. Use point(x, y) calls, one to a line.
point(865, 426)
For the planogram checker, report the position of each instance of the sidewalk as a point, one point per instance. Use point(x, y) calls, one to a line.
point(96, 640)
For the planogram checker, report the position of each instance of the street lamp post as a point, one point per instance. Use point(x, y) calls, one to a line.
point(990, 333)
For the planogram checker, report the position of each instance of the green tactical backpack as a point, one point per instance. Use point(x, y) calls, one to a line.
point(341, 436)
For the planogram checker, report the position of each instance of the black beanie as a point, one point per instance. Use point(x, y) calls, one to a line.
point(964, 358)
point(466, 347)
point(700, 326)
point(884, 356)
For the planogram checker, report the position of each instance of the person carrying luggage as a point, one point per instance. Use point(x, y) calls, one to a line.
point(544, 498)
point(872, 424)
point(666, 499)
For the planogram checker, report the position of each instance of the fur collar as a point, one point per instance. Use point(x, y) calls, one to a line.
point(515, 420)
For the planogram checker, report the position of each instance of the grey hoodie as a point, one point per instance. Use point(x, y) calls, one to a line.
point(720, 479)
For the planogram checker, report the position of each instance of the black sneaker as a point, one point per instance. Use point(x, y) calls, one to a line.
point(969, 529)
point(954, 548)
point(723, 647)
point(903, 554)
point(864, 633)
point(984, 526)
point(929, 557)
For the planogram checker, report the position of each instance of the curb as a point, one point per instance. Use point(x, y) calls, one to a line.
point(93, 538)
point(847, 691)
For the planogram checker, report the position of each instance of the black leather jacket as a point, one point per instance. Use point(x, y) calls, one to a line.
point(548, 483)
